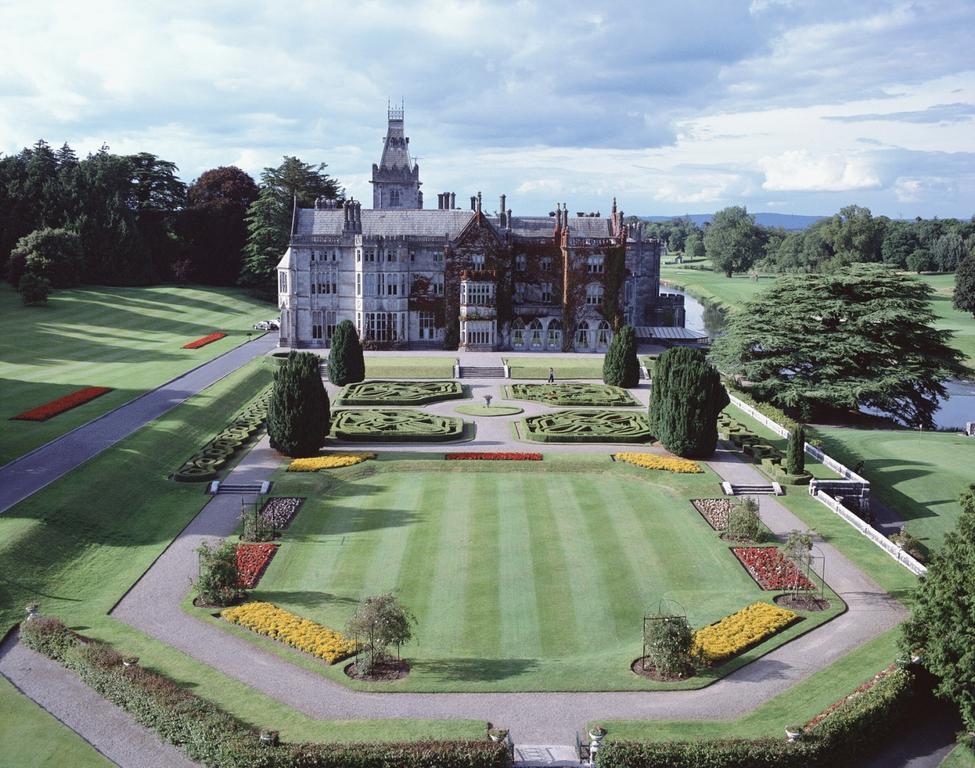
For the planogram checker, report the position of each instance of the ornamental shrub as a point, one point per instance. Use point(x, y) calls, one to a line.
point(669, 641)
point(744, 522)
point(685, 401)
point(298, 414)
point(346, 364)
point(34, 290)
point(216, 583)
point(795, 457)
point(620, 365)
point(52, 254)
point(378, 623)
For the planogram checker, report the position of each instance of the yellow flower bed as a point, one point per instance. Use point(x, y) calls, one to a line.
point(740, 630)
point(653, 461)
point(268, 619)
point(332, 461)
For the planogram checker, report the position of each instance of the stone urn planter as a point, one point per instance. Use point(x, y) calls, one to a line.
point(269, 738)
point(597, 734)
point(793, 732)
point(129, 661)
point(32, 610)
point(497, 734)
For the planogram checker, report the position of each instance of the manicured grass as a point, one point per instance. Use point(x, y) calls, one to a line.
point(799, 704)
point(576, 366)
point(129, 339)
point(962, 324)
point(408, 367)
point(30, 736)
point(78, 544)
point(488, 560)
point(962, 756)
point(918, 474)
point(713, 287)
point(571, 393)
point(399, 392)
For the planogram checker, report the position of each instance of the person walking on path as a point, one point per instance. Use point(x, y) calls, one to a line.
point(551, 375)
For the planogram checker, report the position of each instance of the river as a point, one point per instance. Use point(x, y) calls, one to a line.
point(955, 410)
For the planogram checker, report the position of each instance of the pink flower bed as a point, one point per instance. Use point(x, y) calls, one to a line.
point(492, 456)
point(770, 569)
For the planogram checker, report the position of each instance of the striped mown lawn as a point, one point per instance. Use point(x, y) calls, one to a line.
point(520, 579)
point(129, 339)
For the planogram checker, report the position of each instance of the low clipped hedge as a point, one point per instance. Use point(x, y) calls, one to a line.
point(852, 729)
point(205, 463)
point(382, 392)
point(587, 427)
point(215, 738)
point(387, 425)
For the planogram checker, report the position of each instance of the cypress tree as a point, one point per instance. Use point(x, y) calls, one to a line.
point(795, 457)
point(620, 365)
point(298, 414)
point(685, 401)
point(346, 365)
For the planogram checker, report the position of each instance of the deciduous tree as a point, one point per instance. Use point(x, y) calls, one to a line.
point(378, 623)
point(861, 337)
point(964, 296)
point(732, 240)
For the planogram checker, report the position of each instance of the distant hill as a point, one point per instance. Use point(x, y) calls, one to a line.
point(784, 220)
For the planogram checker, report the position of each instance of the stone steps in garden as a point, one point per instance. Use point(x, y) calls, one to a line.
point(530, 756)
point(481, 372)
point(752, 489)
point(242, 489)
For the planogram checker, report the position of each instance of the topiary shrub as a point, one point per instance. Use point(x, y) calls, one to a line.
point(298, 414)
point(620, 365)
point(685, 401)
point(795, 457)
point(346, 364)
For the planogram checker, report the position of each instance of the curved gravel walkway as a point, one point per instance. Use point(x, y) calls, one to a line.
point(153, 607)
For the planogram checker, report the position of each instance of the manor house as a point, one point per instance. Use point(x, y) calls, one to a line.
point(450, 278)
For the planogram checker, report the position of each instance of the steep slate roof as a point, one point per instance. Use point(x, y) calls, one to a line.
point(385, 222)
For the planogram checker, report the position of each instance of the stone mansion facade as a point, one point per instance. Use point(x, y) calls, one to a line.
point(447, 278)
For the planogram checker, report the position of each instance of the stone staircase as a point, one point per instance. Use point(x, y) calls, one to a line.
point(545, 756)
point(752, 489)
point(481, 372)
point(242, 489)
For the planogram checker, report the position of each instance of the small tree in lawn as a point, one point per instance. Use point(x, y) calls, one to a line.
point(620, 365)
point(685, 401)
point(378, 623)
point(795, 457)
point(298, 414)
point(346, 364)
point(668, 641)
point(216, 583)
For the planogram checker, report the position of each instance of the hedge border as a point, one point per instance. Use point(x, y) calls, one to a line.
point(457, 393)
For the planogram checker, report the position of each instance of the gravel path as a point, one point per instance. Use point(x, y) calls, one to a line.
point(99, 722)
point(32, 471)
point(153, 607)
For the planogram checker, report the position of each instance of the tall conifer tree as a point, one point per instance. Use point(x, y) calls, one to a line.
point(346, 364)
point(685, 401)
point(298, 414)
point(620, 365)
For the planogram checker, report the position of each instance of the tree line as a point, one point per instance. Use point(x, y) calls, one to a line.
point(130, 220)
point(734, 242)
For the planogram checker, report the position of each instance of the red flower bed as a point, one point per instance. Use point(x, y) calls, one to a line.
point(771, 569)
point(492, 456)
point(204, 340)
point(62, 404)
point(252, 559)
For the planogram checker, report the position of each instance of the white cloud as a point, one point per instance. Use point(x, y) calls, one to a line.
point(800, 170)
point(915, 190)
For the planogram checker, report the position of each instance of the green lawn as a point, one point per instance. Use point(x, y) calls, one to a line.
point(409, 367)
point(509, 569)
point(566, 366)
point(960, 323)
point(76, 546)
point(30, 736)
point(918, 474)
point(962, 756)
point(126, 338)
point(713, 287)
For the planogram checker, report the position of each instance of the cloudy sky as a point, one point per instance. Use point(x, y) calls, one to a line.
point(781, 105)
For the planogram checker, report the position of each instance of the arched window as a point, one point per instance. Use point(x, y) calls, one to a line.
point(535, 332)
point(603, 334)
point(554, 334)
point(518, 333)
point(594, 264)
point(594, 294)
point(582, 334)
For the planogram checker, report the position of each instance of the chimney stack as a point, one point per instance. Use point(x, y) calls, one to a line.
point(473, 203)
point(453, 201)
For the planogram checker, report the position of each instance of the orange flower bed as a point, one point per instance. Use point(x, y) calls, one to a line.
point(204, 340)
point(62, 404)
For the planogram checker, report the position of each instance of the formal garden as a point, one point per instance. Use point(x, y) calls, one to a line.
point(378, 392)
point(586, 426)
point(571, 394)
